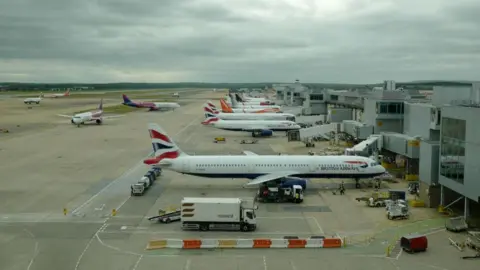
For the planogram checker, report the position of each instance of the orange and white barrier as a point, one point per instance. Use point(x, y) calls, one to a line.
point(245, 243)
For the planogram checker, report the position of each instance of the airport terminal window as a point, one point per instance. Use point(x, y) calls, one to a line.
point(296, 94)
point(390, 107)
point(316, 97)
point(334, 97)
point(452, 145)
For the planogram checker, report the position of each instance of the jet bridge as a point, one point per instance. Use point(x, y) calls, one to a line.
point(320, 130)
point(365, 148)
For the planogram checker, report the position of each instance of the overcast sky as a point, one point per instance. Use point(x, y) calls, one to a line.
point(350, 41)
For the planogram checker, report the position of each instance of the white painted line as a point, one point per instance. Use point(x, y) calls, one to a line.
point(35, 250)
point(86, 247)
point(318, 225)
point(187, 264)
point(265, 263)
point(138, 261)
point(109, 185)
point(293, 265)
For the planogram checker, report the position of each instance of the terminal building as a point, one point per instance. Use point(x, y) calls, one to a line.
point(434, 139)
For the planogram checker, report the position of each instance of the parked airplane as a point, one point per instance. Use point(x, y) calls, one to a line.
point(236, 104)
point(251, 125)
point(211, 112)
point(176, 95)
point(97, 116)
point(33, 100)
point(227, 109)
point(153, 106)
point(260, 168)
point(66, 94)
point(253, 101)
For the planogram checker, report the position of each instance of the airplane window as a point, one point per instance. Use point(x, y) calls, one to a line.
point(364, 166)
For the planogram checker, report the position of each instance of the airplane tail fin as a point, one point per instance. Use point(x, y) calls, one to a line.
point(209, 120)
point(211, 105)
point(209, 112)
point(126, 99)
point(239, 98)
point(100, 107)
point(67, 93)
point(225, 107)
point(163, 146)
point(233, 100)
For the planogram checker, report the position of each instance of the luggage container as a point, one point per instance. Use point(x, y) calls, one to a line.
point(414, 243)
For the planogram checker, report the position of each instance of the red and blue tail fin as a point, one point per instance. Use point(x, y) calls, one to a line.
point(163, 146)
point(209, 112)
point(210, 120)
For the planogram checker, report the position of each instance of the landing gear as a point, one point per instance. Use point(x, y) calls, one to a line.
point(357, 184)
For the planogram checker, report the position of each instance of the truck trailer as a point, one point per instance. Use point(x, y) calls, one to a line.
point(218, 214)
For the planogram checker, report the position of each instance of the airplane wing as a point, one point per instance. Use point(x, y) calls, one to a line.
point(64, 115)
point(270, 177)
point(249, 153)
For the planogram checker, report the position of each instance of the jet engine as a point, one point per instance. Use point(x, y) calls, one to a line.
point(98, 121)
point(262, 133)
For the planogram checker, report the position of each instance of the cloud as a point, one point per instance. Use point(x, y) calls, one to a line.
point(357, 41)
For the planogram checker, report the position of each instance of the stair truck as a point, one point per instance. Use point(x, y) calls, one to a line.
point(218, 214)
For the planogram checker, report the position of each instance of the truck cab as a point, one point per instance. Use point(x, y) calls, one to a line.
point(137, 189)
point(249, 220)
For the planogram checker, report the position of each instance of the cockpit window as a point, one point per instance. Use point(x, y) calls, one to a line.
point(364, 166)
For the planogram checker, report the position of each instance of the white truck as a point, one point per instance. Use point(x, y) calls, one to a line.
point(218, 214)
point(137, 189)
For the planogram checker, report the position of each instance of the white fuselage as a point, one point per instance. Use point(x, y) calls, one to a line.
point(166, 105)
point(249, 125)
point(256, 116)
point(82, 118)
point(32, 100)
point(248, 99)
point(254, 166)
point(253, 106)
point(249, 110)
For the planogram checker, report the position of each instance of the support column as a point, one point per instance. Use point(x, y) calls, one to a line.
point(466, 213)
point(442, 196)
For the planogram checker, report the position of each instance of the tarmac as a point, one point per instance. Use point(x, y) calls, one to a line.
point(87, 171)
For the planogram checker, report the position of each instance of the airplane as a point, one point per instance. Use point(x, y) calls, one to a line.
point(176, 94)
point(258, 168)
point(253, 101)
point(33, 100)
point(244, 105)
point(227, 109)
point(211, 112)
point(97, 116)
point(251, 125)
point(66, 94)
point(153, 106)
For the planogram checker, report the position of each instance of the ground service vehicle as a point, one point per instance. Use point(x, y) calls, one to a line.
point(398, 211)
point(151, 175)
point(262, 133)
point(146, 182)
point(156, 171)
point(137, 189)
point(218, 214)
point(281, 193)
point(167, 216)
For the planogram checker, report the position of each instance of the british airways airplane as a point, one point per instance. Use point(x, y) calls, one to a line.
point(152, 106)
point(258, 168)
point(251, 125)
point(227, 109)
point(211, 112)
